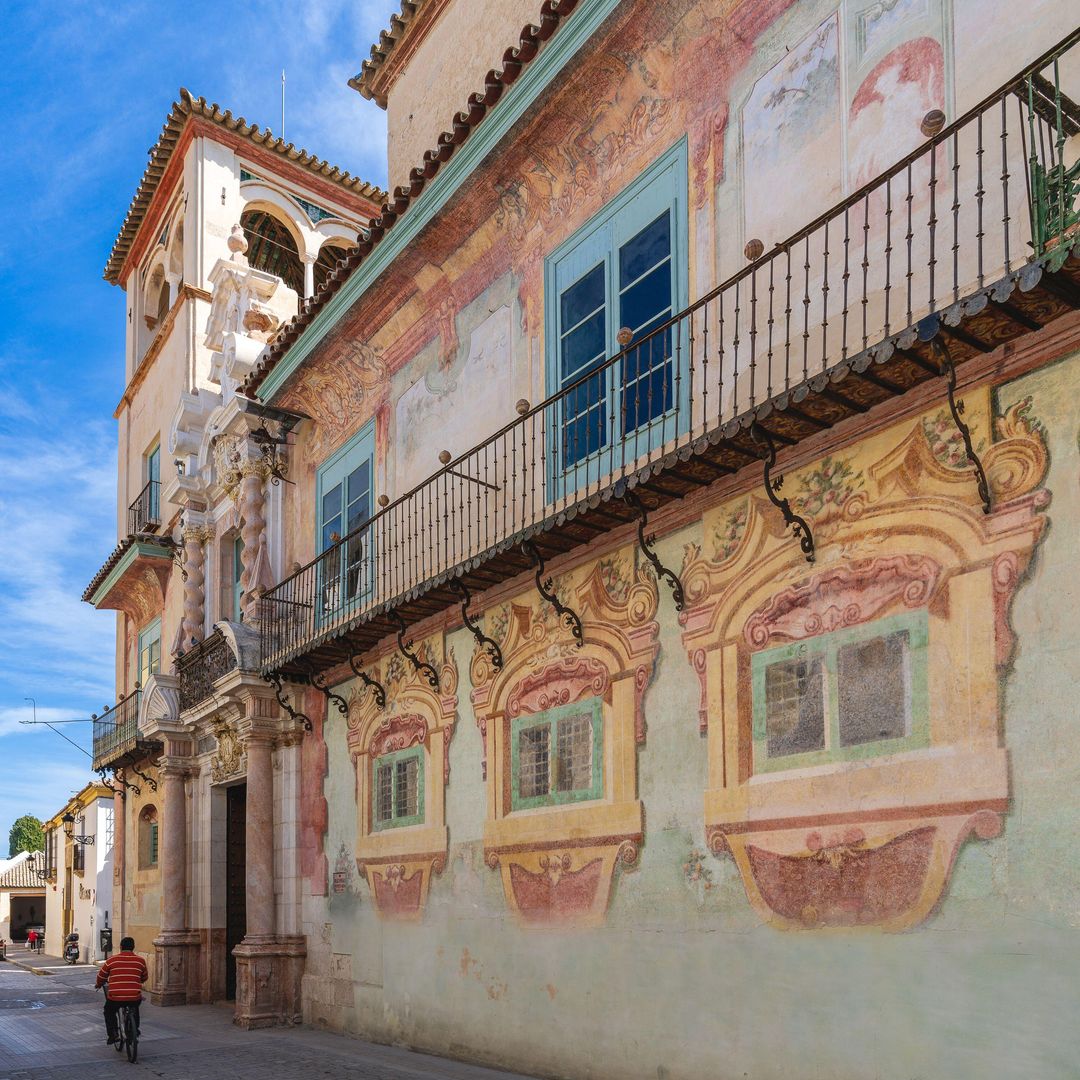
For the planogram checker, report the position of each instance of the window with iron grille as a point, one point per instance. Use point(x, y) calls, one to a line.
point(398, 789)
point(858, 692)
point(556, 756)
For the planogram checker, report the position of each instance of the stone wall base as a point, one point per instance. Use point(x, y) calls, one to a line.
point(268, 977)
point(175, 967)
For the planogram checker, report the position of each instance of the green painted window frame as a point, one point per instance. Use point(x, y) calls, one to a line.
point(152, 473)
point(827, 646)
point(152, 844)
point(149, 636)
point(392, 760)
point(664, 183)
point(237, 573)
point(550, 718)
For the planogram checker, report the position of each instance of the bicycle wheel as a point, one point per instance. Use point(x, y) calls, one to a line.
point(119, 1044)
point(131, 1033)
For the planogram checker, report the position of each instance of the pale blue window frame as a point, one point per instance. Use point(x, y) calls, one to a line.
point(344, 493)
point(590, 282)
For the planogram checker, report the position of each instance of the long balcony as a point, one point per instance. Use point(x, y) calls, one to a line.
point(116, 734)
point(960, 247)
point(144, 514)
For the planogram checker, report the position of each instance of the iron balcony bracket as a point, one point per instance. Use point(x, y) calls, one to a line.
point(799, 526)
point(85, 841)
point(146, 779)
point(405, 648)
point(492, 646)
point(544, 586)
point(632, 499)
point(376, 686)
point(275, 681)
point(317, 681)
point(118, 775)
point(948, 369)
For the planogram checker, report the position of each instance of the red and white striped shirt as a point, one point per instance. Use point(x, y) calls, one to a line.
point(125, 973)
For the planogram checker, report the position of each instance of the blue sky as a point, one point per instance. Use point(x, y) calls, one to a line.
point(84, 91)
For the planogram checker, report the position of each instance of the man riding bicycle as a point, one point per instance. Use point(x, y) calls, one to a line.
point(122, 976)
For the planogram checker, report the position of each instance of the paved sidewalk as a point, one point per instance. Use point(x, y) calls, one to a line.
point(51, 1028)
point(40, 963)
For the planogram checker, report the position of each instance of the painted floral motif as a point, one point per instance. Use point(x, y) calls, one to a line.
point(827, 487)
point(946, 442)
point(395, 668)
point(695, 871)
point(1016, 421)
point(728, 532)
point(498, 623)
point(615, 575)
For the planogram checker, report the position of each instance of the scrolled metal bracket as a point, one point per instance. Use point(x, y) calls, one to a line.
point(799, 526)
point(545, 587)
point(948, 369)
point(492, 646)
point(275, 681)
point(632, 500)
point(127, 787)
point(376, 687)
point(318, 682)
point(145, 779)
point(405, 647)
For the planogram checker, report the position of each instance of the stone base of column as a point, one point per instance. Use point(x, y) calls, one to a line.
point(175, 956)
point(268, 975)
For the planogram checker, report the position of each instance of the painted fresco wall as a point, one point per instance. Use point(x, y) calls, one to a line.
point(894, 896)
point(910, 889)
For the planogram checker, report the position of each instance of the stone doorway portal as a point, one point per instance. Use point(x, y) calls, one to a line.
point(235, 881)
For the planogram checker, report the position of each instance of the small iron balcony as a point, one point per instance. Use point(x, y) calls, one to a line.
point(966, 241)
point(116, 734)
point(201, 666)
point(144, 514)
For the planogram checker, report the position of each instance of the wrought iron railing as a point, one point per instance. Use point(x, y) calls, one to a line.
point(201, 666)
point(144, 514)
point(968, 209)
point(116, 731)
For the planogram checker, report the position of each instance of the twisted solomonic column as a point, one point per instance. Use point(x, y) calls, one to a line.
point(254, 556)
point(195, 536)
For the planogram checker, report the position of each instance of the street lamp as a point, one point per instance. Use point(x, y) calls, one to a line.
point(69, 829)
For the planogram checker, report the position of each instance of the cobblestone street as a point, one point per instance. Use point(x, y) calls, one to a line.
point(51, 1029)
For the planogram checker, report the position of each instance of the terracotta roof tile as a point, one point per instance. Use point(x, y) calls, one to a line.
point(23, 875)
point(161, 153)
point(115, 556)
point(382, 49)
point(552, 14)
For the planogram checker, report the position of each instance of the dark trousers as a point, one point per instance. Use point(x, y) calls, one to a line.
point(112, 1012)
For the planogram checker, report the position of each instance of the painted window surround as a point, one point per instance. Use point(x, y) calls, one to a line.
point(557, 862)
point(398, 858)
point(552, 60)
point(902, 532)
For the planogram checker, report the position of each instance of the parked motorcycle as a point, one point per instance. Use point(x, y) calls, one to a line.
point(71, 948)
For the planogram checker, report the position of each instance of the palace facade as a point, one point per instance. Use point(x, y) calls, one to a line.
point(616, 617)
